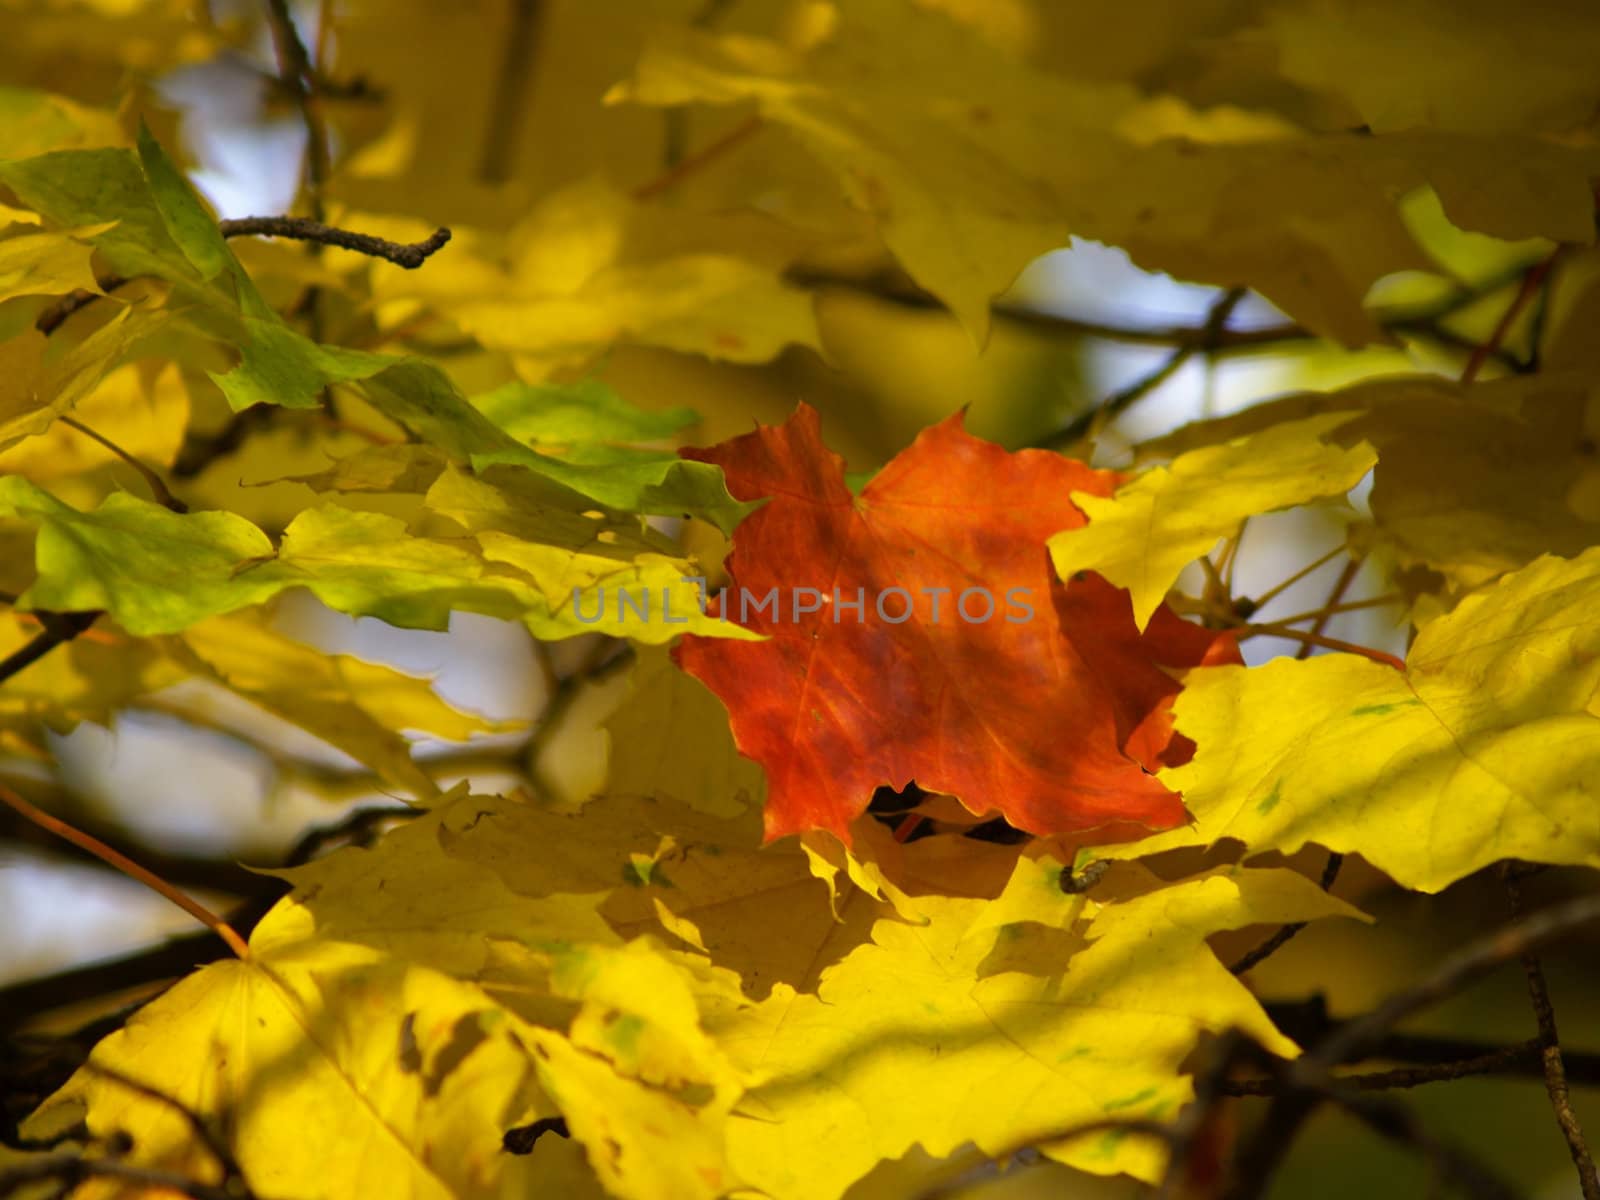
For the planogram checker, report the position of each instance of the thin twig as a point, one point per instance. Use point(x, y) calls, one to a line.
point(59, 629)
point(1330, 872)
point(1308, 639)
point(597, 664)
point(128, 867)
point(1532, 281)
point(157, 486)
point(1555, 1072)
point(1390, 1119)
point(1341, 585)
point(55, 315)
point(1330, 610)
point(409, 255)
point(1119, 402)
point(1420, 321)
point(687, 166)
point(1358, 1037)
point(1494, 1062)
point(200, 450)
point(1302, 1090)
point(675, 119)
point(1230, 557)
point(1272, 593)
point(296, 72)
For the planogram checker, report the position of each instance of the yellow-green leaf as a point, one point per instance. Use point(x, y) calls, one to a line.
point(154, 570)
point(1167, 517)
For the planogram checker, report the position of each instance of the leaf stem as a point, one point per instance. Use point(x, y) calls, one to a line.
point(128, 867)
point(1330, 873)
point(1329, 610)
point(1272, 593)
point(675, 174)
point(1532, 281)
point(1341, 585)
point(1308, 639)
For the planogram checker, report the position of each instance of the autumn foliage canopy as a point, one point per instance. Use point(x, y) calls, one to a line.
point(820, 601)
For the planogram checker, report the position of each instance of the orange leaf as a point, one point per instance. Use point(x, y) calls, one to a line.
point(1053, 710)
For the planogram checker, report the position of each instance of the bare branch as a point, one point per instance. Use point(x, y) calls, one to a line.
point(518, 56)
point(1330, 872)
point(128, 867)
point(409, 255)
point(1119, 402)
point(1533, 281)
point(55, 315)
point(296, 73)
point(1555, 1072)
point(59, 628)
point(1459, 969)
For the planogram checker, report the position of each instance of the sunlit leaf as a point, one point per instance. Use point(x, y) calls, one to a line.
point(1485, 747)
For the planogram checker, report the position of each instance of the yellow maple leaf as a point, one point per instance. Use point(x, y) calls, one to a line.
point(929, 1036)
point(1487, 746)
point(1144, 536)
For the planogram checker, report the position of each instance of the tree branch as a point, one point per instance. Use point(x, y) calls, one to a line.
point(1360, 1037)
point(1119, 402)
point(296, 72)
point(1533, 280)
point(1549, 1043)
point(1420, 322)
point(409, 255)
point(59, 628)
point(129, 868)
point(55, 315)
point(1330, 872)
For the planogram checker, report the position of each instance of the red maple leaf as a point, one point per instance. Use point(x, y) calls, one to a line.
point(1053, 710)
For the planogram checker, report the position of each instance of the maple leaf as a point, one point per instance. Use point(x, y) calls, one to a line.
point(1484, 748)
point(417, 1023)
point(1168, 517)
point(907, 1038)
point(1048, 709)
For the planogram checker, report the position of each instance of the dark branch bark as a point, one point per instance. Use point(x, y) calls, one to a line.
point(1277, 941)
point(59, 629)
point(1549, 1045)
point(409, 255)
point(1360, 1037)
point(1119, 402)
